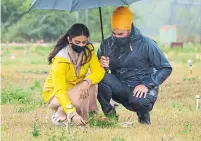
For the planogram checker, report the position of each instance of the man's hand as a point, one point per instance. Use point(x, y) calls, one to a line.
point(140, 90)
point(104, 61)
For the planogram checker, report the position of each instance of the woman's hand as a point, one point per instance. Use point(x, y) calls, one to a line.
point(84, 87)
point(78, 120)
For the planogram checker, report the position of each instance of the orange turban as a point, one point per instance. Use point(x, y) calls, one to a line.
point(122, 18)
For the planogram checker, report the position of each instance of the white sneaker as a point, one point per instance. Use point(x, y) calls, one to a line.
point(72, 118)
point(55, 119)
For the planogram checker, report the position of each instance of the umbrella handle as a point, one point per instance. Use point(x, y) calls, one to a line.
point(107, 69)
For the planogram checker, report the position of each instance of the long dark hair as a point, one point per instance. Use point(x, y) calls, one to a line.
point(75, 30)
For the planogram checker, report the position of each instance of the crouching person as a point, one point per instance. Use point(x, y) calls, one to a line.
point(69, 90)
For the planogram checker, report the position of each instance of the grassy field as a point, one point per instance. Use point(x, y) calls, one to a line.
point(24, 117)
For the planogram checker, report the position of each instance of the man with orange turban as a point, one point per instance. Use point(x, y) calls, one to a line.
point(137, 68)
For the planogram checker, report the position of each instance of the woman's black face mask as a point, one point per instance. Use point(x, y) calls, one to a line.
point(78, 49)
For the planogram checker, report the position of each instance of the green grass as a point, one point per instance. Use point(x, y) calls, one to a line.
point(190, 79)
point(187, 128)
point(15, 95)
point(22, 96)
point(99, 120)
point(36, 131)
point(33, 71)
point(34, 55)
point(25, 108)
point(40, 50)
point(118, 139)
point(23, 60)
point(173, 117)
point(36, 86)
point(181, 55)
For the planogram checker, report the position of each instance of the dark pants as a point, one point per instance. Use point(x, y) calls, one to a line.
point(112, 87)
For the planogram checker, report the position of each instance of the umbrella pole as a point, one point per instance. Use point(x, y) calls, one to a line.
point(101, 23)
point(107, 69)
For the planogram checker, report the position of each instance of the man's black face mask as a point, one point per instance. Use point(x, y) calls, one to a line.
point(122, 41)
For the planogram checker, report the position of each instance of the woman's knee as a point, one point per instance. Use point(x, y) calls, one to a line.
point(53, 104)
point(93, 90)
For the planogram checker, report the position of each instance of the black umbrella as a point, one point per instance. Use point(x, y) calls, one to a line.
point(76, 5)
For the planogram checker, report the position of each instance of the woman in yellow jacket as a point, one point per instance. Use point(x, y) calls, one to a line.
point(70, 86)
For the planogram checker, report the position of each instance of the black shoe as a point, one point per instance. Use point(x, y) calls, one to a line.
point(144, 118)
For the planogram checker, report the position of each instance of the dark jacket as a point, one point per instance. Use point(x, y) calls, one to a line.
point(138, 62)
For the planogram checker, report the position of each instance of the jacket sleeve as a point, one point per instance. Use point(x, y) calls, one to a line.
point(60, 85)
point(97, 72)
point(160, 63)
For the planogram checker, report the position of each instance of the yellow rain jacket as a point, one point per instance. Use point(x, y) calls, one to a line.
point(62, 77)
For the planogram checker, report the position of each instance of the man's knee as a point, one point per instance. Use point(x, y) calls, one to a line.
point(141, 104)
point(144, 103)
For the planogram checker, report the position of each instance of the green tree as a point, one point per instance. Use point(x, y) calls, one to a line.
point(13, 11)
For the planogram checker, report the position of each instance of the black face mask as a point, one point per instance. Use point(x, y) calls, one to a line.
point(78, 49)
point(120, 42)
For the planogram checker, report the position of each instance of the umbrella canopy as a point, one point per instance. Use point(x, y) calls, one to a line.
point(76, 5)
